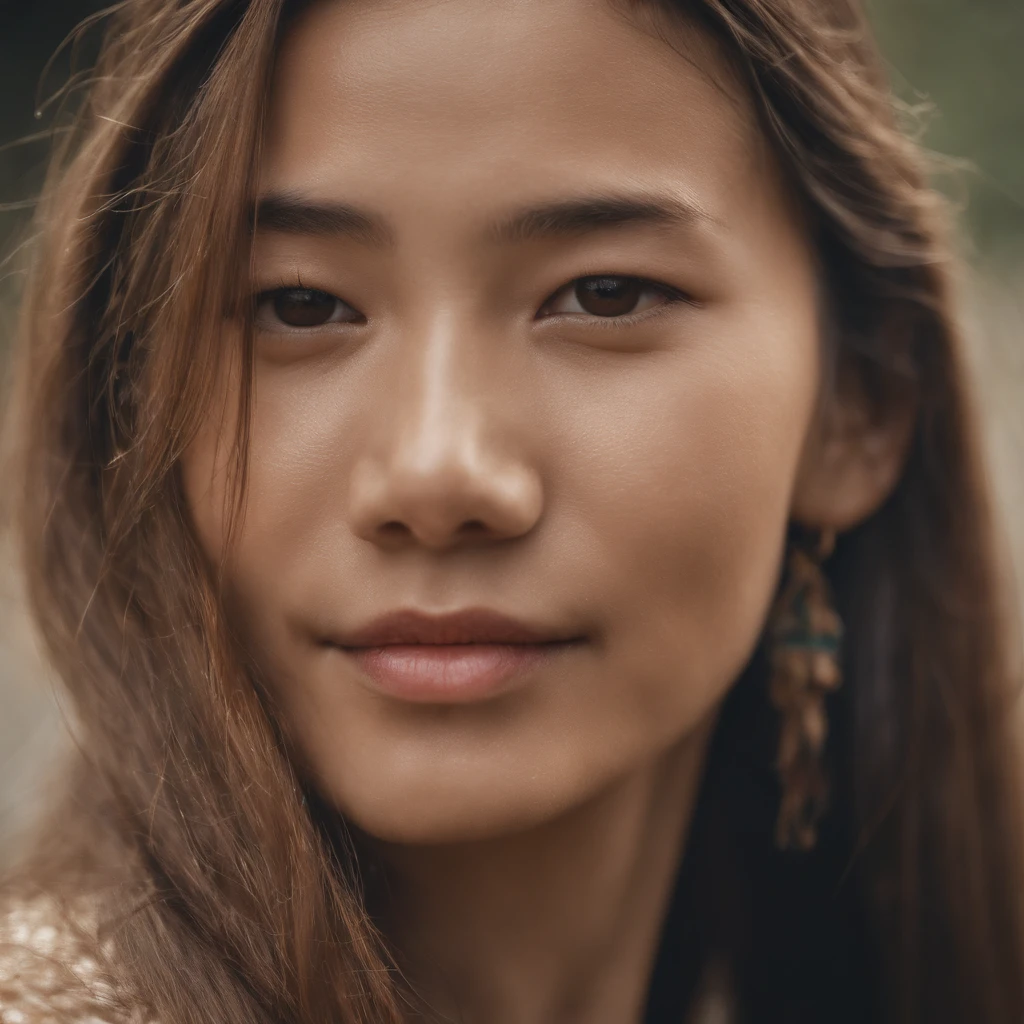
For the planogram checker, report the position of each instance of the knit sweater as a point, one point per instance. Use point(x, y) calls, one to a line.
point(52, 972)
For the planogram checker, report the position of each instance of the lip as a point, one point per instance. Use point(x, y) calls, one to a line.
point(468, 626)
point(460, 657)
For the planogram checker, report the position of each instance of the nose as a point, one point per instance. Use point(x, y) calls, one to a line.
point(448, 468)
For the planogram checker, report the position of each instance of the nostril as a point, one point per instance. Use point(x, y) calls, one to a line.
point(438, 505)
point(433, 533)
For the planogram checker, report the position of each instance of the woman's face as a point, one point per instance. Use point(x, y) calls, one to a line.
point(562, 370)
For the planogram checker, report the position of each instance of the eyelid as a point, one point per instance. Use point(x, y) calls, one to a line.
point(672, 294)
point(264, 295)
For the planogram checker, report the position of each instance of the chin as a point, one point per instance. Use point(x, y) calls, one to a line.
point(450, 812)
point(440, 829)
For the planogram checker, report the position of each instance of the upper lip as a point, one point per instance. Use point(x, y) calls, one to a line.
point(469, 626)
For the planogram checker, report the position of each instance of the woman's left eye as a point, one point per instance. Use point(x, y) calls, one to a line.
point(609, 296)
point(302, 307)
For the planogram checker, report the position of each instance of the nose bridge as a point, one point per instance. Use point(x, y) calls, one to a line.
point(439, 417)
point(447, 466)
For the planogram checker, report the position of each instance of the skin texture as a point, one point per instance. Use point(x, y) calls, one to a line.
point(474, 438)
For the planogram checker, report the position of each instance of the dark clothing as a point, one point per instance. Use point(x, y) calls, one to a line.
point(788, 925)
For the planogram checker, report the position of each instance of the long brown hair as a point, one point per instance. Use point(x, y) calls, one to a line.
point(228, 895)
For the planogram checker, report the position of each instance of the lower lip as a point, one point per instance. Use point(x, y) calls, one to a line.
point(451, 673)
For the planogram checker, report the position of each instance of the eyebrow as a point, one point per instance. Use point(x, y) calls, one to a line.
point(295, 214)
point(292, 214)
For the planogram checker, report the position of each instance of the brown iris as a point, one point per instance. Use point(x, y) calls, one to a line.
point(609, 296)
point(303, 307)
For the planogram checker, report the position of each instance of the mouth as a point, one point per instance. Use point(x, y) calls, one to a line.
point(462, 657)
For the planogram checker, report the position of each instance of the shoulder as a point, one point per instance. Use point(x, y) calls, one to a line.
point(51, 967)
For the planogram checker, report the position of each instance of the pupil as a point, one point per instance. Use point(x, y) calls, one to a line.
point(608, 296)
point(303, 307)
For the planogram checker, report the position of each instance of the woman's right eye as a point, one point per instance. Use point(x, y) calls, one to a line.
point(302, 307)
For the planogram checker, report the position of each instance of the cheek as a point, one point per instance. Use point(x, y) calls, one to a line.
point(687, 506)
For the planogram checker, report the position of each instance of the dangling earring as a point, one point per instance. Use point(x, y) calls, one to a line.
point(805, 632)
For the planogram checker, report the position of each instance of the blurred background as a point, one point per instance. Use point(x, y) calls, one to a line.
point(960, 60)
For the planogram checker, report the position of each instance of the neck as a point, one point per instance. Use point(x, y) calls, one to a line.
point(560, 923)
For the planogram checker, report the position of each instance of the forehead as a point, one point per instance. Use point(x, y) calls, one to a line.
point(473, 102)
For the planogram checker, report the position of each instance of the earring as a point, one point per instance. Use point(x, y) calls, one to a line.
point(804, 663)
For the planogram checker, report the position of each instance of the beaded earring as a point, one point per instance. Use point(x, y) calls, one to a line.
point(805, 632)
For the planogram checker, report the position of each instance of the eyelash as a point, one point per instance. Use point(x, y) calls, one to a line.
point(671, 295)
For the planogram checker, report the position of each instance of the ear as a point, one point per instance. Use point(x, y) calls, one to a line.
point(853, 457)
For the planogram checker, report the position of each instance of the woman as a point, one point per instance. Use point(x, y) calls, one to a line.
point(500, 488)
